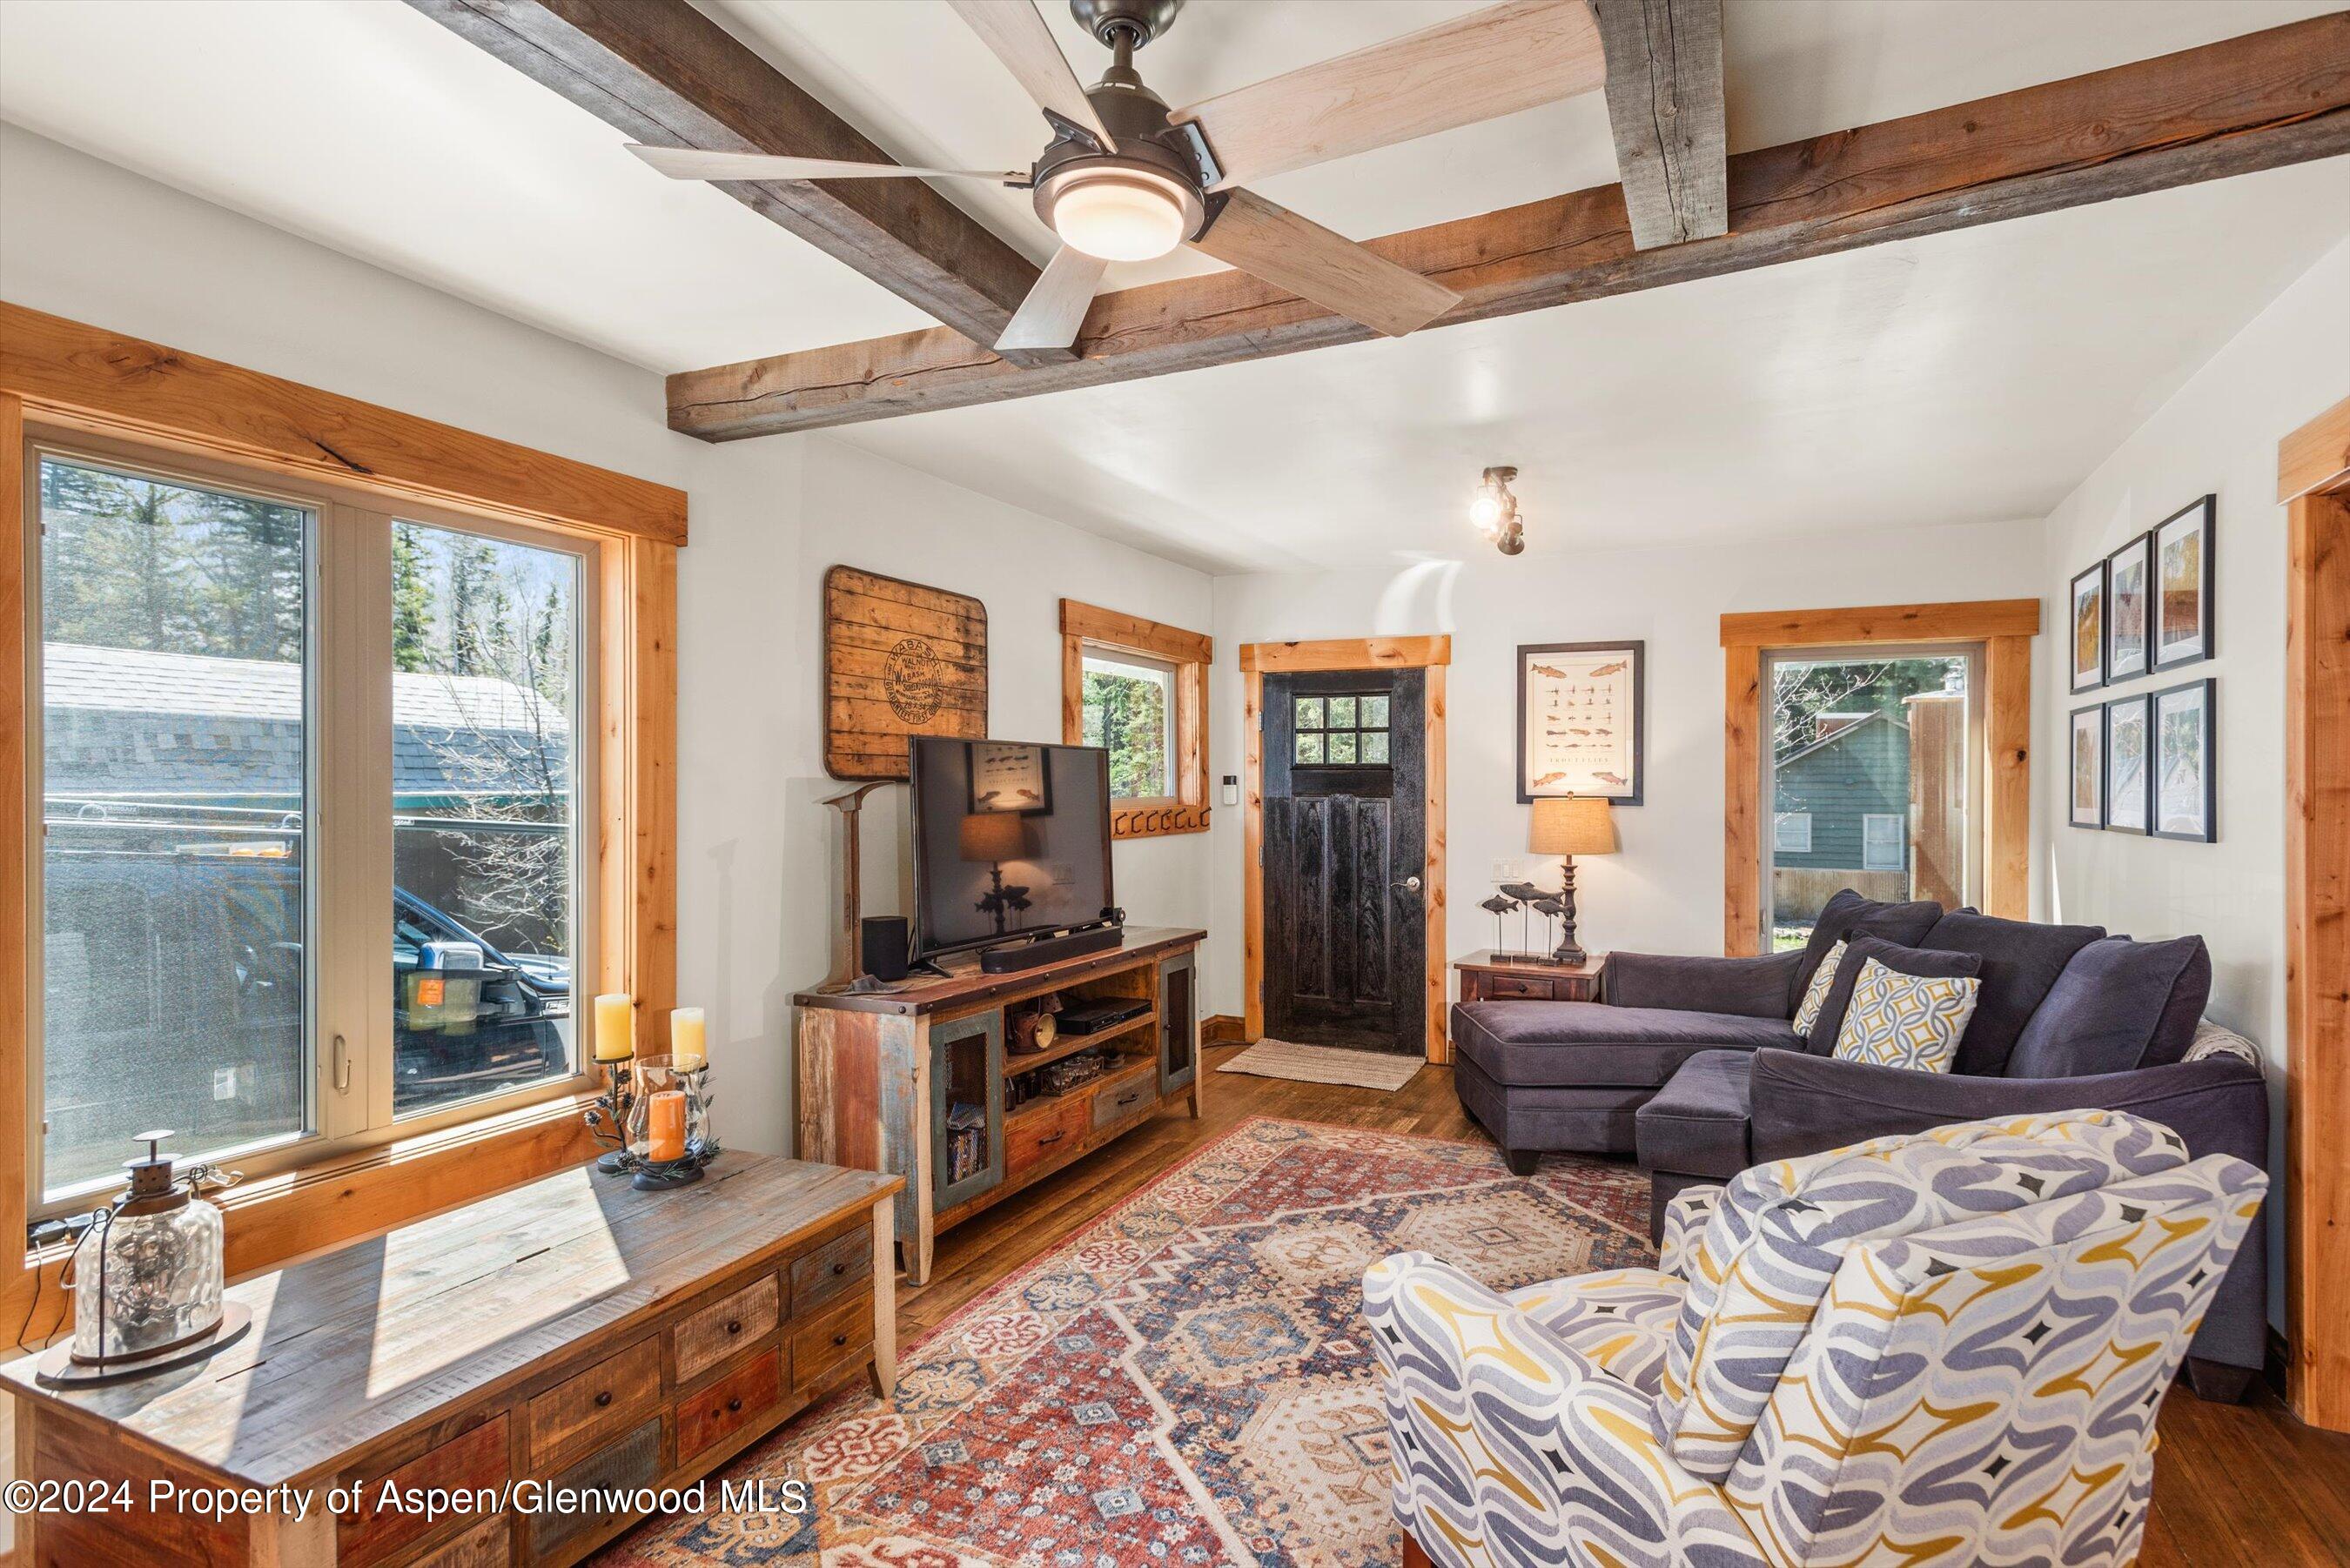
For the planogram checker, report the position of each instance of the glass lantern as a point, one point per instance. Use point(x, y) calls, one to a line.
point(148, 1281)
point(669, 1122)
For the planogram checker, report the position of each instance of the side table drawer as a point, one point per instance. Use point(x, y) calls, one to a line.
point(609, 1396)
point(726, 1405)
point(1521, 988)
point(842, 1334)
point(840, 1264)
point(719, 1330)
point(472, 1459)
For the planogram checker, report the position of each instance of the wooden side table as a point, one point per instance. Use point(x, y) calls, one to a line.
point(1484, 977)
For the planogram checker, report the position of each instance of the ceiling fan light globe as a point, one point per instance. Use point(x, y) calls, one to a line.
point(1118, 220)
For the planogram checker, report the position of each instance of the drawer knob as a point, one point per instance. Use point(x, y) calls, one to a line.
point(841, 1268)
point(604, 1398)
point(733, 1325)
point(733, 1407)
point(839, 1339)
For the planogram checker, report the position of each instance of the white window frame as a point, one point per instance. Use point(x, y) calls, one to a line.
point(1900, 821)
point(1135, 666)
point(347, 808)
point(1781, 822)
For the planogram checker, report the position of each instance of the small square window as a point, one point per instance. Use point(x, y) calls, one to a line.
point(1309, 712)
point(1374, 712)
point(1309, 748)
point(1342, 712)
point(1342, 747)
point(1375, 745)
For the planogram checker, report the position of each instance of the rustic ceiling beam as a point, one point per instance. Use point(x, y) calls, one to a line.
point(667, 76)
point(1663, 104)
point(2254, 102)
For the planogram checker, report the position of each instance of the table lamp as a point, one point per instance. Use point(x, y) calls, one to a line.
point(1566, 826)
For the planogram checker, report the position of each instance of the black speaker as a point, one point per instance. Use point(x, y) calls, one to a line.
point(887, 940)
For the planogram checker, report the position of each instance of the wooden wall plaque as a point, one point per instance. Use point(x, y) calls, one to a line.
point(899, 660)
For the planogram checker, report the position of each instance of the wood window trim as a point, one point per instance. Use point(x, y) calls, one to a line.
point(2004, 627)
point(1087, 626)
point(1434, 655)
point(2314, 484)
point(65, 374)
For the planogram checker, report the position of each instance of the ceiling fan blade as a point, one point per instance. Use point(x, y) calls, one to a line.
point(1055, 306)
point(693, 163)
point(1332, 270)
point(1017, 35)
point(1483, 66)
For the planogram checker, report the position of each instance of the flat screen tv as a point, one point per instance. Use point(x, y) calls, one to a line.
point(1011, 839)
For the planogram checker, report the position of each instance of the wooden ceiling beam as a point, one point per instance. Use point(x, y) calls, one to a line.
point(665, 75)
point(1665, 106)
point(2258, 101)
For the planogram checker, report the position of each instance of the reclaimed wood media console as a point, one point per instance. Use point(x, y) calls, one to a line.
point(881, 1073)
point(571, 1331)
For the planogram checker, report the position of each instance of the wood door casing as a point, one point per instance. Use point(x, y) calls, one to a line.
point(1344, 936)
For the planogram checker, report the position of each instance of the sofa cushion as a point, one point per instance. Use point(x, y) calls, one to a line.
point(1752, 987)
point(1557, 1043)
point(2118, 1005)
point(1916, 962)
point(1849, 915)
point(1910, 1021)
point(1816, 995)
point(1697, 1124)
point(2021, 961)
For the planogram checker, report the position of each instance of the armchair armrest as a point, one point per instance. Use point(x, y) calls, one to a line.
point(1512, 1448)
point(1685, 1217)
point(1746, 987)
point(1805, 1104)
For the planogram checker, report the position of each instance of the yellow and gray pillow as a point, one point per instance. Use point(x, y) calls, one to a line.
point(1913, 1021)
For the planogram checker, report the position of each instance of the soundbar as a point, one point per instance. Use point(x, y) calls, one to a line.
point(1013, 958)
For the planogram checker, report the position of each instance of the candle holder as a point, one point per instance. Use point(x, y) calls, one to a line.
point(669, 1141)
point(608, 1118)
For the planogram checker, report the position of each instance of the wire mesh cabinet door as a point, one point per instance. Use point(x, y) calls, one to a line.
point(1179, 1021)
point(966, 1108)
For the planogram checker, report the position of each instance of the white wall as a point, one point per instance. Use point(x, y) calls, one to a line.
point(1663, 892)
point(2217, 435)
point(85, 239)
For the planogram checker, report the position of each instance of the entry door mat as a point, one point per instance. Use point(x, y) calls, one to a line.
point(1270, 1058)
point(1187, 1381)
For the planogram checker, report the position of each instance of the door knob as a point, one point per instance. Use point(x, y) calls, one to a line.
point(1410, 884)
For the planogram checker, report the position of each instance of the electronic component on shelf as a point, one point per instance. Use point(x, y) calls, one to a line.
point(1092, 1014)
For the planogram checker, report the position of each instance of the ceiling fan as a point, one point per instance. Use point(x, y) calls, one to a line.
point(1127, 179)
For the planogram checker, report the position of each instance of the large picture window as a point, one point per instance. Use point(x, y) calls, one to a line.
point(225, 672)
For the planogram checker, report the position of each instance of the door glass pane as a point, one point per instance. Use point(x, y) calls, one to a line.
point(485, 691)
point(172, 770)
point(1130, 704)
point(1309, 712)
point(1375, 745)
point(1870, 784)
point(1342, 747)
point(1342, 712)
point(1374, 712)
point(1309, 748)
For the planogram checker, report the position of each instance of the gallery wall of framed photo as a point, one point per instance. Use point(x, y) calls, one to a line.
point(2141, 760)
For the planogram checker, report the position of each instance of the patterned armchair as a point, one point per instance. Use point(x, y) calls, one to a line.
point(1946, 1347)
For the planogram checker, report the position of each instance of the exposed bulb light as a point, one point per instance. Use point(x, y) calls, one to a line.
point(1118, 217)
point(1494, 511)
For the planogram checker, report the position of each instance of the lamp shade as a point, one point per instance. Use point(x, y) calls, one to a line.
point(1573, 825)
point(991, 837)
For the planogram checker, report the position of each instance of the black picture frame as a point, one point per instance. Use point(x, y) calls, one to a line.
point(2094, 677)
point(2094, 715)
point(2206, 691)
point(2198, 519)
point(1044, 766)
point(2117, 711)
point(1637, 650)
point(2117, 566)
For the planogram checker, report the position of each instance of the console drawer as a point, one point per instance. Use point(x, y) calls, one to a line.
point(725, 1406)
point(1120, 1098)
point(840, 1264)
point(615, 1391)
point(725, 1326)
point(1043, 1134)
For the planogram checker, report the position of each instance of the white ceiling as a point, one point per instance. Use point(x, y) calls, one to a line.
point(1973, 375)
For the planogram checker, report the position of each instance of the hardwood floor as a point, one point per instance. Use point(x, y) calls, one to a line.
point(2234, 1485)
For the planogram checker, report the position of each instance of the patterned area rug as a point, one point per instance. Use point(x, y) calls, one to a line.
point(1270, 1058)
point(1185, 1382)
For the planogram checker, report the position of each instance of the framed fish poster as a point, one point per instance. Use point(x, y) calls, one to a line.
point(1006, 775)
point(1580, 717)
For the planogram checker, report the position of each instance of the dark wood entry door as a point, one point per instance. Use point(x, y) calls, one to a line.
point(1344, 844)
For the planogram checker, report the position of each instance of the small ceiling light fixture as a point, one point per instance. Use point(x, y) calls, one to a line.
point(1494, 511)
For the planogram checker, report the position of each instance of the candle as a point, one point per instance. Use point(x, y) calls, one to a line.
point(665, 1127)
point(688, 1036)
point(616, 1027)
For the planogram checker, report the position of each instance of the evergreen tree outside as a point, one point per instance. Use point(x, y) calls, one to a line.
point(1127, 713)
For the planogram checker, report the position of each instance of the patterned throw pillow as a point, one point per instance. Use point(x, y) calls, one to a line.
point(1906, 1020)
point(1816, 997)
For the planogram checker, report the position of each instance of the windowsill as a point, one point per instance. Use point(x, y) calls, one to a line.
point(374, 1185)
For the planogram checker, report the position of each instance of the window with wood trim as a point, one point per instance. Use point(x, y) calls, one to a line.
point(1140, 690)
point(284, 737)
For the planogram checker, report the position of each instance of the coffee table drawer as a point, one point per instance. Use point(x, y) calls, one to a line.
point(841, 1334)
point(840, 1264)
point(625, 1465)
point(615, 1391)
point(472, 1461)
point(725, 1326)
point(740, 1397)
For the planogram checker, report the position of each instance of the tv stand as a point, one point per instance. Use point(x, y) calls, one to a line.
point(1013, 957)
point(915, 1080)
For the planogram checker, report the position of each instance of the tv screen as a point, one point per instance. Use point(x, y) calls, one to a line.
point(1011, 839)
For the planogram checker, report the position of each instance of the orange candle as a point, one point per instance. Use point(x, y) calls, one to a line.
point(665, 1127)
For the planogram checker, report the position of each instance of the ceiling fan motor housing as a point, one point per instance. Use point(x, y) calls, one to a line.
point(1150, 151)
point(1141, 20)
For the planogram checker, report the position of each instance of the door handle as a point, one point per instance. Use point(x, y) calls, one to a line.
point(1410, 884)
